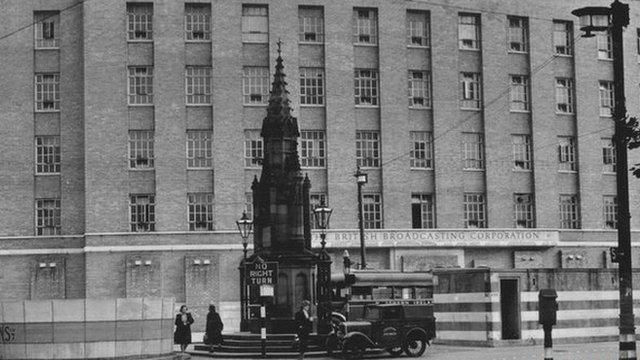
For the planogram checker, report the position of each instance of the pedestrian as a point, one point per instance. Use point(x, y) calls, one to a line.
point(213, 330)
point(304, 325)
point(183, 323)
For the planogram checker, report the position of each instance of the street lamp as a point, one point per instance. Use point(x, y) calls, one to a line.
point(322, 214)
point(614, 19)
point(245, 226)
point(346, 263)
point(361, 179)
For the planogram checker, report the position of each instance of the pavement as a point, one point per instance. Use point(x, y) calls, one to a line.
point(590, 351)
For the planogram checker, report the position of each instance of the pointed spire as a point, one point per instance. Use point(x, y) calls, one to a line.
point(279, 110)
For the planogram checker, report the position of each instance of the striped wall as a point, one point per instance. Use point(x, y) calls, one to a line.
point(86, 328)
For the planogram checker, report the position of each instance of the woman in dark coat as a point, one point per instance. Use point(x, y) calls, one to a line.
point(183, 323)
point(213, 331)
point(304, 325)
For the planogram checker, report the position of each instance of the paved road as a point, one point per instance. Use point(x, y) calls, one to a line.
point(592, 351)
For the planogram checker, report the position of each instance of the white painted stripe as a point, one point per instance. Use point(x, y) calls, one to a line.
point(548, 353)
point(476, 297)
point(467, 316)
point(532, 296)
point(185, 247)
point(574, 314)
point(468, 335)
point(9, 252)
point(627, 354)
point(627, 337)
point(572, 332)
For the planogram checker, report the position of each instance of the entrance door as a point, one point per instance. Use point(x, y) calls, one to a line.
point(510, 308)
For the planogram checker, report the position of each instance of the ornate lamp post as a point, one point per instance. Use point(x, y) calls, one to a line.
point(245, 227)
point(614, 19)
point(361, 179)
point(322, 214)
point(323, 286)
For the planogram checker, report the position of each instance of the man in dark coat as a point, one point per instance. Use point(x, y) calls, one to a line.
point(213, 331)
point(304, 325)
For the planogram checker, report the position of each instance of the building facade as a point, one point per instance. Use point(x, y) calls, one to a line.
point(131, 137)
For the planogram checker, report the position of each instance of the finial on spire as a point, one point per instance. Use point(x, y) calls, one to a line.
point(279, 45)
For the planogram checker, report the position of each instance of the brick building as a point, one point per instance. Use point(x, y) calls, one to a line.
point(130, 137)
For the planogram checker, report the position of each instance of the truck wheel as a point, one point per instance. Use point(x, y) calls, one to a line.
point(352, 350)
point(395, 351)
point(415, 344)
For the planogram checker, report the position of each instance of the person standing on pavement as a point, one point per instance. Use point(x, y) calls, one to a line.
point(213, 330)
point(183, 323)
point(304, 325)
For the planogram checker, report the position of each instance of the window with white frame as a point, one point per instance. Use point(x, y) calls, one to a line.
point(469, 31)
point(475, 209)
point(255, 85)
point(519, 93)
point(253, 149)
point(312, 148)
point(197, 22)
point(564, 95)
point(199, 149)
point(140, 85)
point(470, 87)
point(523, 211)
point(47, 154)
point(610, 211)
point(141, 149)
point(198, 85)
point(421, 154)
point(248, 204)
point(200, 211)
point(366, 87)
point(518, 34)
point(315, 199)
point(567, 153)
point(473, 151)
point(605, 45)
point(311, 86)
point(368, 148)
point(608, 155)
point(418, 28)
point(140, 21)
point(311, 24)
point(365, 26)
point(47, 95)
point(569, 211)
point(606, 97)
point(422, 211)
point(419, 89)
point(47, 29)
point(372, 211)
point(563, 37)
point(522, 157)
point(255, 23)
point(47, 217)
point(142, 211)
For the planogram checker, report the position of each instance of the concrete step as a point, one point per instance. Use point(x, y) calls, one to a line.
point(253, 349)
point(287, 355)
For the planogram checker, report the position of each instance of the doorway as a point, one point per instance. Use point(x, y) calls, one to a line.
point(510, 309)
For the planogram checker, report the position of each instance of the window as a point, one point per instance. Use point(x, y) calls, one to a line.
point(141, 149)
point(567, 153)
point(197, 22)
point(522, 157)
point(47, 154)
point(422, 211)
point(365, 23)
point(47, 217)
point(47, 92)
point(419, 89)
point(475, 210)
point(563, 37)
point(605, 49)
point(255, 85)
point(140, 21)
point(248, 204)
point(518, 34)
point(255, 24)
point(418, 27)
point(366, 87)
point(519, 93)
point(200, 211)
point(311, 86)
point(564, 95)
point(47, 29)
point(253, 149)
point(142, 210)
point(368, 148)
point(315, 199)
point(199, 152)
point(311, 20)
point(469, 31)
point(372, 211)
point(608, 156)
point(471, 95)
point(523, 211)
point(473, 151)
point(421, 154)
point(140, 85)
point(198, 85)
point(569, 212)
point(606, 98)
point(312, 148)
point(610, 211)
